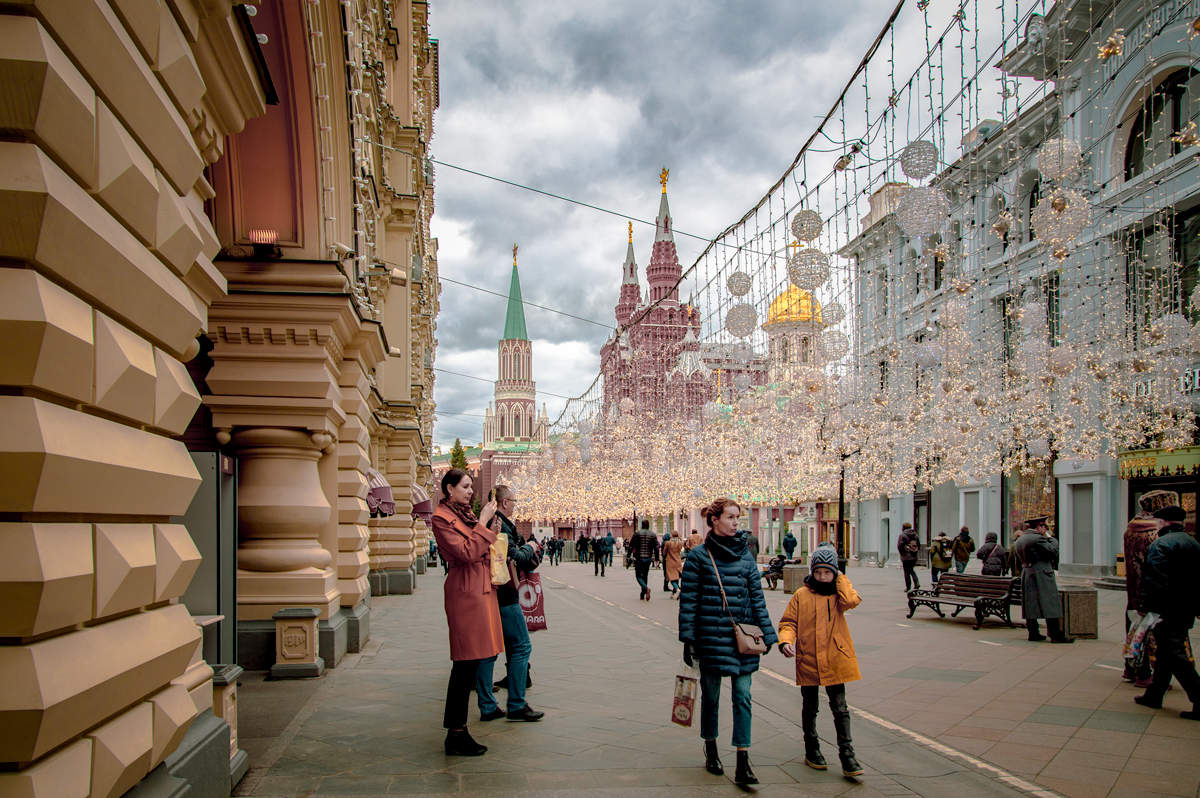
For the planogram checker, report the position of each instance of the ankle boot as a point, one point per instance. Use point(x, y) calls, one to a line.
point(841, 724)
point(712, 760)
point(743, 774)
point(460, 743)
point(1054, 628)
point(808, 721)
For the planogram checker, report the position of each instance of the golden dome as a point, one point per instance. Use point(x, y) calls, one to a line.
point(794, 305)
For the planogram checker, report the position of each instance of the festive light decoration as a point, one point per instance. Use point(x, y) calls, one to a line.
point(833, 313)
point(741, 320)
point(1113, 45)
point(922, 211)
point(1187, 137)
point(739, 283)
point(1060, 218)
point(806, 224)
point(919, 159)
point(1059, 159)
point(808, 268)
point(835, 343)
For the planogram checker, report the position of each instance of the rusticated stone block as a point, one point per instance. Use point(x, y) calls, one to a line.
point(55, 331)
point(173, 712)
point(45, 96)
point(176, 559)
point(175, 237)
point(51, 221)
point(55, 689)
point(175, 396)
point(124, 567)
point(124, 371)
point(63, 774)
point(45, 577)
point(175, 65)
point(125, 180)
point(59, 460)
point(121, 751)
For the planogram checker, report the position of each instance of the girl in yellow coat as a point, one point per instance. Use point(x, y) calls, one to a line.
point(814, 631)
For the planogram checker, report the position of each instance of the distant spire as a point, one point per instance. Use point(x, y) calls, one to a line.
point(629, 274)
point(662, 224)
point(662, 178)
point(514, 320)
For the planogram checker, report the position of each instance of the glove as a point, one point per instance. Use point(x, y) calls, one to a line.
point(687, 655)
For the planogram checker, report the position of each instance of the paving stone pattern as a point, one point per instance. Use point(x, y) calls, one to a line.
point(1019, 717)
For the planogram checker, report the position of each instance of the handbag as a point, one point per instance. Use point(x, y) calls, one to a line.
point(498, 556)
point(749, 638)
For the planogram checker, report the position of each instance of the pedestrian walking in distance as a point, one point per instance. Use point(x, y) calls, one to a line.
point(995, 558)
point(523, 559)
point(1170, 588)
point(663, 553)
point(962, 547)
point(472, 614)
point(643, 550)
point(940, 556)
point(673, 561)
point(599, 555)
point(814, 631)
point(908, 545)
point(721, 587)
point(789, 544)
point(1038, 554)
point(1140, 534)
point(693, 541)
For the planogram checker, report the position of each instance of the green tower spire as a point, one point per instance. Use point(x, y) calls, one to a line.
point(514, 320)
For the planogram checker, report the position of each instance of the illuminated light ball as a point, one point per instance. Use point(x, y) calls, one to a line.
point(1061, 361)
point(1059, 159)
point(739, 283)
point(697, 493)
point(954, 312)
point(922, 211)
point(808, 269)
point(1060, 218)
point(834, 343)
point(741, 381)
point(807, 224)
point(1172, 330)
point(919, 159)
point(1038, 448)
point(833, 313)
point(709, 411)
point(812, 380)
point(741, 320)
point(928, 354)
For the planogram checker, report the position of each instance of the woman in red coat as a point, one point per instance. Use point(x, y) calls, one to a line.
point(472, 614)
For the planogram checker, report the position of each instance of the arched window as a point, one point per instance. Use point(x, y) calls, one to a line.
point(517, 424)
point(785, 351)
point(1166, 111)
point(805, 349)
point(501, 414)
point(1031, 201)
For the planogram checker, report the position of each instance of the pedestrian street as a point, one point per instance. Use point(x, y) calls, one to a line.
point(941, 709)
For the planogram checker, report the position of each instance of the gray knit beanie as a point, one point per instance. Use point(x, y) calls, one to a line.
point(823, 556)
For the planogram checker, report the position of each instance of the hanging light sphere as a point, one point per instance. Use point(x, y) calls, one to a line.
point(922, 211)
point(834, 343)
point(808, 268)
point(1038, 448)
point(1171, 330)
point(1061, 361)
point(1060, 218)
point(739, 283)
point(919, 159)
point(741, 319)
point(929, 353)
point(807, 224)
point(1059, 159)
point(833, 313)
point(954, 312)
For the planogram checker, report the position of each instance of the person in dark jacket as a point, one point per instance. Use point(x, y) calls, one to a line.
point(940, 556)
point(662, 552)
point(610, 545)
point(752, 544)
point(643, 550)
point(995, 558)
point(1170, 588)
point(517, 645)
point(706, 629)
point(908, 545)
point(1014, 565)
point(599, 555)
point(962, 547)
point(1037, 552)
point(789, 544)
point(1140, 534)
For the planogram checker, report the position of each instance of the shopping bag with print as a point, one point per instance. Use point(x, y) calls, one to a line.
point(529, 595)
point(683, 704)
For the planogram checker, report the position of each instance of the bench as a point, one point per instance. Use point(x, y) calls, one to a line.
point(986, 595)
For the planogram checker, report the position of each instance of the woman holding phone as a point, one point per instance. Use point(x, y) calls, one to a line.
point(472, 613)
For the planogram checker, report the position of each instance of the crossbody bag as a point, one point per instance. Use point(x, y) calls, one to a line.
point(749, 638)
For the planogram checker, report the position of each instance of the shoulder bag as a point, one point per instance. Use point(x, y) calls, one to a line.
point(749, 639)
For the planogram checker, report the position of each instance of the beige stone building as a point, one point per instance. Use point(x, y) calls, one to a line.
point(218, 293)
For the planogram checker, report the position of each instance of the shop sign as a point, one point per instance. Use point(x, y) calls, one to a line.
point(1159, 462)
point(1189, 383)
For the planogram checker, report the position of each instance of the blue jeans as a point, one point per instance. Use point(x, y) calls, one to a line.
point(959, 566)
point(517, 647)
point(710, 694)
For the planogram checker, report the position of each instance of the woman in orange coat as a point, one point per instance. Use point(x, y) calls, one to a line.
point(813, 630)
point(472, 613)
point(672, 555)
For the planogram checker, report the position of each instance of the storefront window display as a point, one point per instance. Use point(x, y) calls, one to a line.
point(1029, 493)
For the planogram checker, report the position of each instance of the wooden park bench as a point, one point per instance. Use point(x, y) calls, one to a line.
point(987, 595)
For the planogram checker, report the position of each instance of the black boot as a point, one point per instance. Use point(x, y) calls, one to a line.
point(743, 774)
point(460, 743)
point(841, 723)
point(1035, 636)
point(1055, 630)
point(712, 760)
point(808, 720)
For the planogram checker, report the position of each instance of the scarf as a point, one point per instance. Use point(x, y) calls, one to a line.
point(463, 511)
point(820, 588)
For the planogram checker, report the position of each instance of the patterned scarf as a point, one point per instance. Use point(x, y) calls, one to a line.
point(463, 511)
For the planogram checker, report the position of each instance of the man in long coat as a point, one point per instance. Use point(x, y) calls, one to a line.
point(1037, 552)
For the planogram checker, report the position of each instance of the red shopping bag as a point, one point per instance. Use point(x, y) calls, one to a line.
point(529, 595)
point(684, 704)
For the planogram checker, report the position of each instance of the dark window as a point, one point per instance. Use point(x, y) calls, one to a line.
point(1053, 308)
point(1008, 327)
point(1162, 263)
point(1031, 202)
point(883, 375)
point(1166, 111)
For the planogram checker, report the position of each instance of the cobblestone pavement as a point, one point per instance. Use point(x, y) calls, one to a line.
point(941, 710)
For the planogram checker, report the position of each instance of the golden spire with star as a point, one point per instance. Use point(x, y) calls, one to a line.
point(662, 178)
point(631, 232)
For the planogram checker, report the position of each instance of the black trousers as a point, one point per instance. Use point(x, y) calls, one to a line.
point(598, 568)
point(911, 582)
point(459, 692)
point(1171, 660)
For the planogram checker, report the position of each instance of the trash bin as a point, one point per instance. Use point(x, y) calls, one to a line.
point(1080, 611)
point(793, 577)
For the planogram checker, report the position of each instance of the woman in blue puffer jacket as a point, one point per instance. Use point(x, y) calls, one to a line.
point(707, 631)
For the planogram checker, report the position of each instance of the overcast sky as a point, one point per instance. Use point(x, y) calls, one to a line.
point(591, 100)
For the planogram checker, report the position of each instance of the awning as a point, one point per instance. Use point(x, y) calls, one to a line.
point(422, 504)
point(379, 494)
